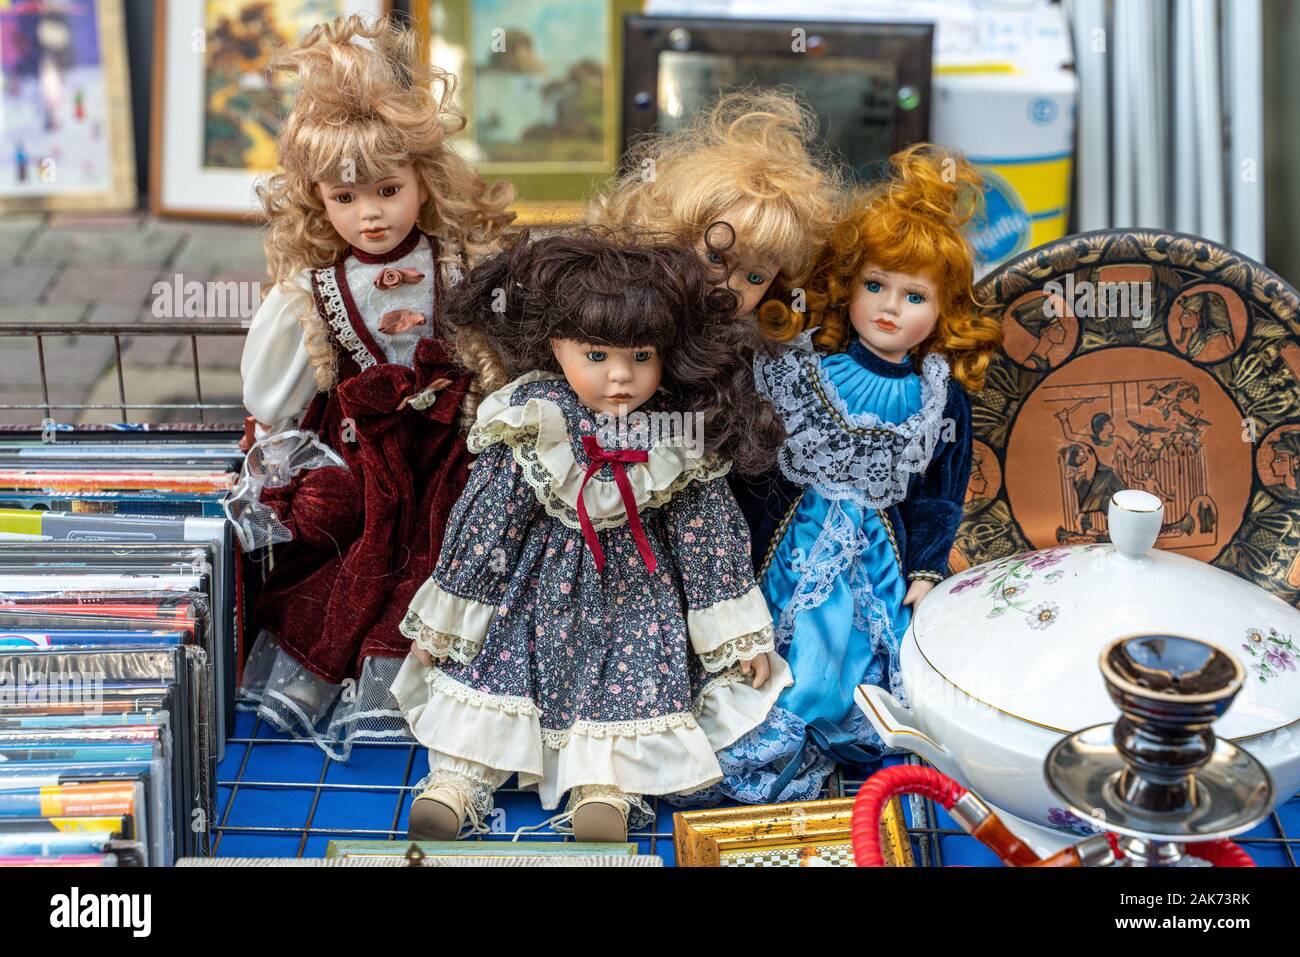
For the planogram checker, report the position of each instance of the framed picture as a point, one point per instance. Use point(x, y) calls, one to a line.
point(216, 114)
point(868, 83)
point(65, 107)
point(540, 84)
point(799, 834)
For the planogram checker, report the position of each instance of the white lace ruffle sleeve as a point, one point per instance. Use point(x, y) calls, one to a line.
point(278, 378)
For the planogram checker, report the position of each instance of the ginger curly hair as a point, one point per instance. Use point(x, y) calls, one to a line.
point(909, 222)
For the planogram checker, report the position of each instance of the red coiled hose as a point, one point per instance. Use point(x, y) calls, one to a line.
point(900, 779)
point(884, 786)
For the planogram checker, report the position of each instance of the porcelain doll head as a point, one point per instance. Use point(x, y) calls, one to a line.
point(744, 184)
point(364, 155)
point(605, 308)
point(897, 273)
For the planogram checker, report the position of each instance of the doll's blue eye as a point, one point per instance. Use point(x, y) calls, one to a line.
point(915, 298)
point(596, 356)
point(643, 355)
point(873, 286)
point(714, 257)
point(757, 279)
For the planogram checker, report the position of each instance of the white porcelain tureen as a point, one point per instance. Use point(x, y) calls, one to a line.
point(1001, 660)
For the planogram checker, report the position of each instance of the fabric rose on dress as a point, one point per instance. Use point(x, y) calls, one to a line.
point(398, 321)
point(391, 278)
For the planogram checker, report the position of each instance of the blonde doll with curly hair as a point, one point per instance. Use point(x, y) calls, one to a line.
point(359, 400)
point(745, 183)
point(875, 466)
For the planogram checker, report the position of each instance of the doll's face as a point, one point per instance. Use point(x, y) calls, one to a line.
point(751, 273)
point(893, 311)
point(607, 378)
point(375, 217)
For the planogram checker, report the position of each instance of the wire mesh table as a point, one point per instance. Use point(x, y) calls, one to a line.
point(281, 796)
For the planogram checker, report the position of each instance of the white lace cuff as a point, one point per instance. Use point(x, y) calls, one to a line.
point(440, 644)
point(739, 649)
point(724, 621)
point(447, 625)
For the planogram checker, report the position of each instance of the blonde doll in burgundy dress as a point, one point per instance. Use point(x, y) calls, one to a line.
point(593, 625)
point(359, 403)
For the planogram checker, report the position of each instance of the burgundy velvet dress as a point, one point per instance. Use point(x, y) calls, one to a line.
point(365, 538)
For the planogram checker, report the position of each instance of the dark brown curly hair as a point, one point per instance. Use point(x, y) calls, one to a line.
point(623, 289)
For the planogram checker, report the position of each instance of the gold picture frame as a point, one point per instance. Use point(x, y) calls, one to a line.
point(797, 834)
point(115, 189)
point(551, 190)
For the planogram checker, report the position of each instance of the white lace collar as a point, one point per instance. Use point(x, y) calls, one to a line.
point(537, 417)
point(839, 453)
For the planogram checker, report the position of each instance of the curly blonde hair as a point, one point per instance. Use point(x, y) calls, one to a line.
point(910, 222)
point(368, 107)
point(754, 161)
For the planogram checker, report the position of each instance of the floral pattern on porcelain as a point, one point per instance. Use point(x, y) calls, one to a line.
point(1272, 653)
point(1008, 582)
point(1065, 820)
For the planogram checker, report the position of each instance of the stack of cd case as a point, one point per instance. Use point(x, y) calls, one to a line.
point(120, 641)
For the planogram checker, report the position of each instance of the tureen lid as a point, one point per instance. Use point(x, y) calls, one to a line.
point(1023, 633)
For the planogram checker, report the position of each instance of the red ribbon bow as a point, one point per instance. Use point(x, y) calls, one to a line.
point(616, 458)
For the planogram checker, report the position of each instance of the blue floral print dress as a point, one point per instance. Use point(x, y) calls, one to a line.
point(563, 672)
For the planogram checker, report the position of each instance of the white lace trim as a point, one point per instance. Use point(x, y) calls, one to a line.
point(537, 434)
point(552, 500)
point(743, 648)
point(440, 644)
point(336, 315)
point(839, 453)
point(558, 738)
point(443, 683)
point(272, 462)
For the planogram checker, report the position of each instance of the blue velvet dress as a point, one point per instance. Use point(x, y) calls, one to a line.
point(868, 498)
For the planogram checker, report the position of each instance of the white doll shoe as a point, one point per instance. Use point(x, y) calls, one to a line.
point(443, 809)
point(600, 814)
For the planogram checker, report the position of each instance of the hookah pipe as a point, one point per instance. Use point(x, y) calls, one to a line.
point(979, 821)
point(1158, 781)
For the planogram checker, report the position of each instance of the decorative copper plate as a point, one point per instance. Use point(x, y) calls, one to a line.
point(1148, 360)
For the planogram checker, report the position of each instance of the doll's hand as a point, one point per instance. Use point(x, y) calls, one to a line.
point(759, 667)
point(422, 656)
point(918, 590)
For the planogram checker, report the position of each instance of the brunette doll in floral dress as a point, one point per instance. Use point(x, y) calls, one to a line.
point(593, 624)
point(359, 402)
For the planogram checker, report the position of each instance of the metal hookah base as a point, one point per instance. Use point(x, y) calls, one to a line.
point(1232, 791)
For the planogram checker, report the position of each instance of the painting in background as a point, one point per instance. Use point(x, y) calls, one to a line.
point(540, 84)
point(539, 80)
point(242, 108)
point(216, 112)
point(64, 116)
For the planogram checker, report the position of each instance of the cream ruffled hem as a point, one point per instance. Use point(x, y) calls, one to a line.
point(666, 755)
point(538, 436)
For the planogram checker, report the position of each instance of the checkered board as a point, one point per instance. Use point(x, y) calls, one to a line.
point(838, 854)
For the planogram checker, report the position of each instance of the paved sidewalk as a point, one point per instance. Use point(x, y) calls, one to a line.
point(66, 273)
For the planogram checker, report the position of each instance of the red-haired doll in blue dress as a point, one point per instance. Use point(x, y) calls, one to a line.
point(856, 528)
